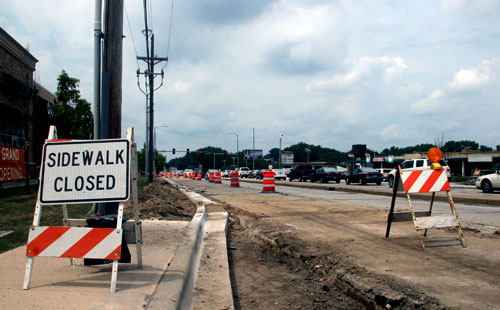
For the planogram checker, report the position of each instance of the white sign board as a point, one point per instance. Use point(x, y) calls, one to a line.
point(85, 171)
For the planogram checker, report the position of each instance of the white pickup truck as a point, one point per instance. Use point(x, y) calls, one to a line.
point(489, 182)
point(244, 172)
point(416, 164)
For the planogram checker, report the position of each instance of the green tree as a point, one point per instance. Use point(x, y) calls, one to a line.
point(71, 114)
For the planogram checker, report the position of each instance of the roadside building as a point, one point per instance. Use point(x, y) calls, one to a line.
point(24, 116)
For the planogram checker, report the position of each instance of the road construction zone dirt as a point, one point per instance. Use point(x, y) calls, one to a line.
point(289, 252)
point(161, 201)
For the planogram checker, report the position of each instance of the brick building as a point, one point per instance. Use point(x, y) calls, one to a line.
point(24, 104)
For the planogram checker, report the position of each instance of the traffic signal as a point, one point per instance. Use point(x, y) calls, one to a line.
point(211, 153)
point(187, 151)
point(200, 154)
point(173, 151)
point(225, 153)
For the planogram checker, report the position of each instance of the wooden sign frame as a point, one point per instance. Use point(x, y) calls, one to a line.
point(131, 230)
point(422, 220)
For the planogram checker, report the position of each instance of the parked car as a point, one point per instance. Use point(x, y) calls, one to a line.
point(259, 175)
point(364, 175)
point(385, 172)
point(300, 172)
point(279, 174)
point(344, 174)
point(244, 172)
point(207, 175)
point(416, 164)
point(489, 182)
point(325, 174)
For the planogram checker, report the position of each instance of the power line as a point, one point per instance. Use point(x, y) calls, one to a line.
point(132, 36)
point(169, 31)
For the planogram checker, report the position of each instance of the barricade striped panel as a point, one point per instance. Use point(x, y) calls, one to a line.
point(198, 177)
point(211, 177)
point(424, 181)
point(74, 242)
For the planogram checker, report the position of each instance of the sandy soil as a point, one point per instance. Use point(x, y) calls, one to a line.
point(289, 252)
point(341, 245)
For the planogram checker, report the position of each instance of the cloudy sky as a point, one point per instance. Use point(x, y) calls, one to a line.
point(333, 73)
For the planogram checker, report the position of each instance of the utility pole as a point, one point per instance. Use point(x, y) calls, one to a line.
point(111, 126)
point(108, 79)
point(151, 60)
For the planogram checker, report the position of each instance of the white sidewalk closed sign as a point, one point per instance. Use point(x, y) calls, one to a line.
point(85, 171)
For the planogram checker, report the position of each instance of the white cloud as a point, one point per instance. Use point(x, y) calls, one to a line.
point(334, 73)
point(474, 78)
point(362, 70)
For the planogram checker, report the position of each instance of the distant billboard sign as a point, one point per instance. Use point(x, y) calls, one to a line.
point(287, 158)
point(358, 150)
point(250, 154)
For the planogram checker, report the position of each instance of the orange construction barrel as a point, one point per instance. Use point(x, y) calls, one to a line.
point(268, 181)
point(235, 179)
point(218, 178)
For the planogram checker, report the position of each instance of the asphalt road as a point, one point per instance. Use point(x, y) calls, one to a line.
point(481, 217)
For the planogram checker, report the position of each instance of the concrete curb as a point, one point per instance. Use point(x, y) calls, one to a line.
point(207, 233)
point(175, 289)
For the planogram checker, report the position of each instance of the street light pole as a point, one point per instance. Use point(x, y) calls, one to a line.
point(237, 148)
point(279, 159)
point(253, 150)
point(154, 145)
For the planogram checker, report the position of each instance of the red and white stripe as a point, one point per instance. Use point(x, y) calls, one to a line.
point(268, 181)
point(424, 181)
point(74, 242)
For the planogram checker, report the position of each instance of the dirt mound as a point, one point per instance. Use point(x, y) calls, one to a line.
point(161, 201)
point(319, 276)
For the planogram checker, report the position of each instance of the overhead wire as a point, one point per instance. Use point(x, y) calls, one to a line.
point(132, 36)
point(220, 140)
point(169, 32)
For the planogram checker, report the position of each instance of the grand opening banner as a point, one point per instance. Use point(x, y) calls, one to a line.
point(11, 164)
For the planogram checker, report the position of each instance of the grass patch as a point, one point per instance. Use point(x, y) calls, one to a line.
point(17, 208)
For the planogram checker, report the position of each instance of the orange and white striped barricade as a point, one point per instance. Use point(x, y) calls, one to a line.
point(423, 181)
point(177, 174)
point(268, 181)
point(193, 175)
point(211, 177)
point(72, 173)
point(218, 178)
point(198, 176)
point(235, 179)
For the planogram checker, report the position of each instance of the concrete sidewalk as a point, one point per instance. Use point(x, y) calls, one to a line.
point(171, 255)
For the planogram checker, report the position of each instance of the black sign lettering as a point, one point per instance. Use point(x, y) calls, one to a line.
point(108, 162)
point(74, 160)
point(99, 158)
point(110, 182)
point(66, 159)
point(56, 187)
point(66, 188)
point(90, 183)
point(79, 183)
point(52, 160)
point(100, 180)
point(119, 156)
point(87, 158)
